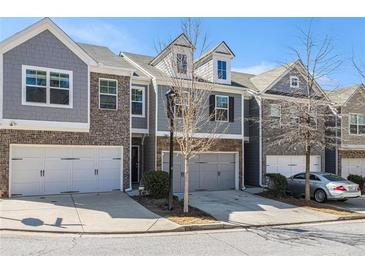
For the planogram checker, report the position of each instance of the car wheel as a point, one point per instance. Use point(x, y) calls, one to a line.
point(320, 196)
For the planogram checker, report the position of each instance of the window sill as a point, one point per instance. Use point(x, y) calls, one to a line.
point(47, 105)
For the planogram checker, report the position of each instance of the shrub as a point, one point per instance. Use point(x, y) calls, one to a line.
point(278, 184)
point(156, 183)
point(357, 180)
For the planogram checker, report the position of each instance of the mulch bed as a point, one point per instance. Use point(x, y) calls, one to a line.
point(160, 207)
point(300, 202)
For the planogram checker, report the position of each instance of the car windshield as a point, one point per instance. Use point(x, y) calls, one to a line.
point(333, 178)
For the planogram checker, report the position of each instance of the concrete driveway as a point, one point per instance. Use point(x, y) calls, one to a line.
point(95, 212)
point(356, 204)
point(243, 208)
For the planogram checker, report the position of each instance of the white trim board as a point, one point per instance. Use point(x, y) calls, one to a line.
point(143, 89)
point(43, 125)
point(202, 135)
point(139, 130)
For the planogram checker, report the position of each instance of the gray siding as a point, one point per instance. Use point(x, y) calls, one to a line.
point(44, 50)
point(139, 122)
point(252, 149)
point(246, 110)
point(233, 128)
point(150, 139)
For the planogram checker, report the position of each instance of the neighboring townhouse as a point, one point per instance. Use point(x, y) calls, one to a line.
point(222, 167)
point(349, 157)
point(274, 93)
point(64, 115)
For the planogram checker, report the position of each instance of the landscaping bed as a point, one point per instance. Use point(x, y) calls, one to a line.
point(313, 205)
point(160, 207)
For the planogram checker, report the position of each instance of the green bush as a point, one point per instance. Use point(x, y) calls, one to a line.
point(357, 179)
point(156, 183)
point(279, 184)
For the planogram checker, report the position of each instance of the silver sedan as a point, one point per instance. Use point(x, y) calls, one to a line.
point(324, 186)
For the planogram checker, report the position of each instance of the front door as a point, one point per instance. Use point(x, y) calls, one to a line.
point(135, 164)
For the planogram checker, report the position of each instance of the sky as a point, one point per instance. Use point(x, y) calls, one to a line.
point(259, 44)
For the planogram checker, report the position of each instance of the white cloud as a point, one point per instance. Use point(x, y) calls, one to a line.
point(327, 82)
point(257, 69)
point(100, 33)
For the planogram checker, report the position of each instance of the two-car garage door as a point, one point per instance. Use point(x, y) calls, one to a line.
point(38, 170)
point(208, 171)
point(290, 165)
point(354, 166)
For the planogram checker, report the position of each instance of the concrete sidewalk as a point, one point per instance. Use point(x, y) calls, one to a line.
point(238, 207)
point(112, 212)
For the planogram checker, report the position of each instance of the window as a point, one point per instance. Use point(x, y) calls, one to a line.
point(275, 114)
point(357, 124)
point(314, 120)
point(108, 93)
point(181, 102)
point(300, 176)
point(221, 108)
point(47, 87)
point(182, 63)
point(333, 178)
point(138, 98)
point(294, 117)
point(313, 177)
point(294, 82)
point(222, 70)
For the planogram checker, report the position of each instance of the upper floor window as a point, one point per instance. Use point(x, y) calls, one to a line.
point(294, 82)
point(108, 95)
point(182, 63)
point(221, 108)
point(294, 117)
point(47, 87)
point(138, 101)
point(222, 70)
point(181, 103)
point(357, 124)
point(275, 114)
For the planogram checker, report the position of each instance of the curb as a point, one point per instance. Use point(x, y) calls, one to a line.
point(187, 228)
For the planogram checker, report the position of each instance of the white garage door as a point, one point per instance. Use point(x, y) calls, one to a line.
point(39, 170)
point(355, 166)
point(208, 171)
point(290, 165)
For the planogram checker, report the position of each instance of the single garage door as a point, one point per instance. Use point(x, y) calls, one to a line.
point(39, 170)
point(208, 171)
point(355, 166)
point(290, 165)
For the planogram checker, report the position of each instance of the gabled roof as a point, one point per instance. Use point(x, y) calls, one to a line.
point(240, 79)
point(342, 95)
point(221, 48)
point(181, 40)
point(38, 27)
point(105, 57)
point(143, 62)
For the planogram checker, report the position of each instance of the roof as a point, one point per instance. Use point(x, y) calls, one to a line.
point(264, 80)
point(202, 58)
point(105, 56)
point(340, 96)
point(240, 79)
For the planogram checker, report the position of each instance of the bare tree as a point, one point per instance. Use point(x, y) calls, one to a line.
point(190, 104)
point(305, 117)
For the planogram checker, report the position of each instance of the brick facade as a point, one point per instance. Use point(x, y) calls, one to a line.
point(233, 145)
point(107, 127)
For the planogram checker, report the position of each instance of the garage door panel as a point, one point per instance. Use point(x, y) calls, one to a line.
point(289, 165)
point(109, 152)
point(355, 166)
point(58, 152)
point(27, 152)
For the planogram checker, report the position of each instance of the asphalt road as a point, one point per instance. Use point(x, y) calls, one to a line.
point(339, 238)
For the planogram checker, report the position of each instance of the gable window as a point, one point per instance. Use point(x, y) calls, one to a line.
point(294, 82)
point(108, 97)
point(357, 124)
point(275, 114)
point(138, 99)
point(221, 108)
point(182, 63)
point(46, 87)
point(222, 70)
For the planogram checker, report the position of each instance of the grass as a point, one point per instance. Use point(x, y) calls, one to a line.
point(313, 205)
point(160, 207)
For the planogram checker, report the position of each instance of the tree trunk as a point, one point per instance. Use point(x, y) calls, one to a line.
point(307, 172)
point(186, 185)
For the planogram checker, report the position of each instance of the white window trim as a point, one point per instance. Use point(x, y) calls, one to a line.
point(357, 124)
point(48, 87)
point(143, 115)
point(176, 104)
point(215, 109)
point(271, 116)
point(291, 81)
point(221, 79)
point(116, 94)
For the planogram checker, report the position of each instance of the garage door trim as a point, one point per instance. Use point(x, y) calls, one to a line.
point(12, 146)
point(236, 158)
